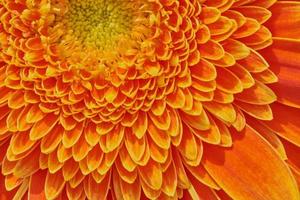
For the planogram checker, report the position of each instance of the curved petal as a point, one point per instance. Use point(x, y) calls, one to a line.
point(285, 16)
point(283, 57)
point(284, 123)
point(242, 174)
point(36, 186)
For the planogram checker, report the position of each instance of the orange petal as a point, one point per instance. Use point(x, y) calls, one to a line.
point(43, 127)
point(80, 149)
point(16, 100)
point(158, 154)
point(188, 144)
point(111, 141)
point(69, 169)
point(262, 112)
point(284, 123)
point(130, 191)
point(4, 194)
point(269, 135)
point(209, 15)
point(196, 161)
point(149, 192)
point(240, 121)
point(259, 94)
point(52, 139)
point(200, 173)
point(22, 125)
point(126, 160)
point(204, 71)
point(135, 146)
point(248, 28)
point(158, 107)
point(162, 139)
point(211, 50)
point(224, 112)
point(200, 122)
point(67, 122)
point(292, 152)
point(234, 169)
point(255, 12)
point(264, 3)
point(74, 193)
point(226, 140)
point(28, 165)
point(266, 77)
point(140, 126)
point(285, 16)
point(182, 178)
point(169, 184)
point(125, 175)
point(71, 137)
point(12, 182)
point(211, 135)
point(77, 179)
point(201, 191)
point(11, 122)
point(244, 75)
point(236, 48)
point(162, 122)
point(283, 58)
point(228, 82)
point(151, 174)
point(104, 128)
point(146, 156)
point(94, 190)
point(91, 135)
point(36, 186)
point(175, 125)
point(254, 62)
point(94, 158)
point(176, 99)
point(21, 143)
point(22, 189)
point(63, 153)
point(54, 185)
point(34, 114)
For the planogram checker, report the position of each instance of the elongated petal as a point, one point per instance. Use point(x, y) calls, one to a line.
point(151, 175)
point(282, 124)
point(285, 16)
point(36, 186)
point(274, 180)
point(283, 58)
point(54, 185)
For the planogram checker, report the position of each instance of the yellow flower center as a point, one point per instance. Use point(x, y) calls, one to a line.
point(101, 35)
point(100, 23)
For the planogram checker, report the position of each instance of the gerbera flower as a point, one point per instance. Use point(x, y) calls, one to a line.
point(150, 99)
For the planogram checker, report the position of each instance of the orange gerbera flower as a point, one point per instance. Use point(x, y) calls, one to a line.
point(150, 99)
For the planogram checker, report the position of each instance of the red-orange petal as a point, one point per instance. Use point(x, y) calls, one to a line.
point(232, 168)
point(285, 19)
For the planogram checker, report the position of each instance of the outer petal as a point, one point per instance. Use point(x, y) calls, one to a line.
point(285, 20)
point(283, 57)
point(36, 186)
point(285, 123)
point(242, 172)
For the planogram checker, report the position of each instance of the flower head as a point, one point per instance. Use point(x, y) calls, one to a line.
point(155, 99)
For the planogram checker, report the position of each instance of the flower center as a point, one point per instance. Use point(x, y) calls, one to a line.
point(100, 23)
point(101, 34)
